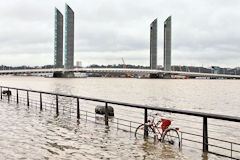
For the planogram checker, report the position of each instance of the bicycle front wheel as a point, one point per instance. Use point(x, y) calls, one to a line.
point(139, 133)
point(171, 136)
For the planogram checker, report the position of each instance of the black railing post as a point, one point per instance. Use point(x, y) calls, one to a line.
point(205, 135)
point(145, 123)
point(27, 98)
point(8, 94)
point(78, 109)
point(181, 138)
point(17, 96)
point(57, 111)
point(106, 114)
point(41, 101)
point(1, 92)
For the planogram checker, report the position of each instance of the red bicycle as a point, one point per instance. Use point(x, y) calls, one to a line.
point(161, 130)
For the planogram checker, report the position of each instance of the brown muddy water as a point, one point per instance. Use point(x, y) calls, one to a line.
point(26, 133)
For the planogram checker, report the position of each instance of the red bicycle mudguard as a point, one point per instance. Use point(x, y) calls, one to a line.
point(165, 124)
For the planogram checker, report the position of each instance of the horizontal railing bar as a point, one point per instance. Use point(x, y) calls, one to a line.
point(90, 116)
point(218, 154)
point(191, 134)
point(171, 110)
point(185, 120)
point(224, 141)
point(211, 138)
point(199, 122)
point(192, 128)
point(132, 116)
point(220, 147)
point(121, 124)
point(87, 111)
point(128, 121)
point(192, 147)
point(191, 140)
point(125, 130)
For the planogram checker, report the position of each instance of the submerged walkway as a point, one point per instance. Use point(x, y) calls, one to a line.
point(28, 133)
point(67, 110)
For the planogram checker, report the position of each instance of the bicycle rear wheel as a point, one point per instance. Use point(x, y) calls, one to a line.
point(171, 136)
point(139, 133)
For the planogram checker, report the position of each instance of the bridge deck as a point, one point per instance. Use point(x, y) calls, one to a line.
point(119, 70)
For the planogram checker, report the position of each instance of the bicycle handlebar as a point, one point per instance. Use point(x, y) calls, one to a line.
point(155, 115)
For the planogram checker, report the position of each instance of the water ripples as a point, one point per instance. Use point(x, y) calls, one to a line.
point(29, 134)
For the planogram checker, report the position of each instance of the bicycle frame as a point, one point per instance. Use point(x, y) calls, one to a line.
point(161, 131)
point(157, 130)
point(155, 127)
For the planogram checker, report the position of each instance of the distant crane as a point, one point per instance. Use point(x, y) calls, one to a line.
point(185, 77)
point(125, 66)
point(180, 68)
point(107, 75)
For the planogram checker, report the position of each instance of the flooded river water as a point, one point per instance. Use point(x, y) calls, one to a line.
point(30, 134)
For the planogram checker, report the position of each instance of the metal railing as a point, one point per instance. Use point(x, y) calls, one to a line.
point(204, 116)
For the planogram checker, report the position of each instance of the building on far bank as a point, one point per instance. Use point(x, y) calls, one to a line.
point(216, 69)
point(78, 64)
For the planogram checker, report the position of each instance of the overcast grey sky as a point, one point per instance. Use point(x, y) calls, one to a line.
point(205, 32)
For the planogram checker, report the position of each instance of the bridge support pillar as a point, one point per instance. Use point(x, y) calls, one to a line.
point(60, 74)
point(68, 75)
point(57, 74)
point(167, 76)
point(160, 76)
point(154, 75)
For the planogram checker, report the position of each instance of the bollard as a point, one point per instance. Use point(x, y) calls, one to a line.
point(27, 98)
point(205, 135)
point(78, 109)
point(145, 123)
point(17, 96)
point(41, 101)
point(106, 114)
point(57, 111)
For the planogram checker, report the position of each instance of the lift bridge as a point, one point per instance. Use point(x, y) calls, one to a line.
point(156, 73)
